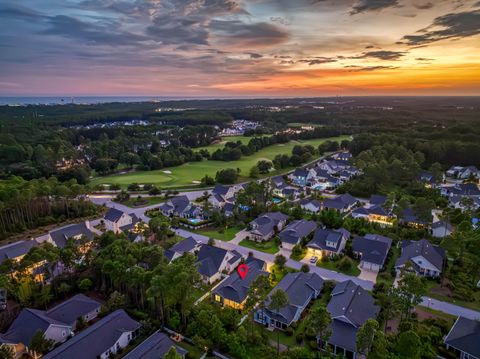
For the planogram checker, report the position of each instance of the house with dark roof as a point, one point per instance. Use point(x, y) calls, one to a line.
point(324, 180)
point(56, 324)
point(343, 156)
point(264, 227)
point(233, 291)
point(310, 205)
point(180, 206)
point(377, 200)
point(302, 176)
point(375, 213)
point(350, 307)
point(301, 288)
point(441, 229)
point(410, 218)
point(72, 309)
point(343, 203)
point(118, 221)
point(422, 258)
point(155, 347)
point(14, 252)
point(328, 242)
point(295, 232)
point(461, 194)
point(463, 338)
point(213, 261)
point(101, 340)
point(59, 237)
point(221, 195)
point(372, 249)
point(189, 245)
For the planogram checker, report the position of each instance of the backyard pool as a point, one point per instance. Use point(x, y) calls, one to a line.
point(276, 200)
point(195, 220)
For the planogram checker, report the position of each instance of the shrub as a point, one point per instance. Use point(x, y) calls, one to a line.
point(305, 268)
point(345, 264)
point(313, 344)
point(289, 331)
point(299, 338)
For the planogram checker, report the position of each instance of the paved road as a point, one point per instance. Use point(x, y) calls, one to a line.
point(450, 308)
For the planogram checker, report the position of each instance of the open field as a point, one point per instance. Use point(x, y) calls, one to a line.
point(185, 174)
point(212, 148)
point(227, 235)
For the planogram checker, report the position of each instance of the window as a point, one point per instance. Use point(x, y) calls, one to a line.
point(64, 333)
point(217, 298)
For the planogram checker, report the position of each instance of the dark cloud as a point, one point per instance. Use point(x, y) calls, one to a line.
point(450, 26)
point(424, 6)
point(255, 55)
point(93, 33)
point(318, 60)
point(372, 5)
point(355, 68)
point(379, 55)
point(424, 59)
point(178, 30)
point(20, 12)
point(240, 33)
point(369, 47)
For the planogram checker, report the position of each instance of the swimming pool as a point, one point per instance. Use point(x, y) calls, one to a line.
point(195, 220)
point(276, 200)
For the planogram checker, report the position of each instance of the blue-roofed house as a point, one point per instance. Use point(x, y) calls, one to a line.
point(343, 203)
point(410, 218)
point(301, 288)
point(213, 261)
point(423, 258)
point(155, 347)
point(302, 176)
point(311, 205)
point(72, 309)
point(101, 340)
point(328, 242)
point(233, 291)
point(118, 221)
point(350, 307)
point(372, 249)
point(180, 206)
point(59, 237)
point(463, 338)
point(264, 227)
point(189, 245)
point(295, 232)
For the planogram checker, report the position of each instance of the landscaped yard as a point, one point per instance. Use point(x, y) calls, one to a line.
point(277, 274)
point(227, 235)
point(136, 202)
point(444, 294)
point(267, 247)
point(386, 275)
point(189, 174)
point(300, 256)
point(338, 267)
point(194, 351)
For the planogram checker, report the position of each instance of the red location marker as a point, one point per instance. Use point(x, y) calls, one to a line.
point(242, 270)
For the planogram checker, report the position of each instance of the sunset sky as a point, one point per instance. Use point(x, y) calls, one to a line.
point(239, 47)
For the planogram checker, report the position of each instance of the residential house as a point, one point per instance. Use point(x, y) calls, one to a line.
point(410, 218)
point(213, 261)
point(155, 347)
point(264, 227)
point(189, 245)
point(233, 291)
point(311, 205)
point(56, 324)
point(343, 156)
point(59, 237)
point(301, 288)
point(180, 206)
point(461, 190)
point(428, 179)
point(101, 340)
point(118, 221)
point(453, 171)
point(441, 229)
point(303, 177)
point(377, 200)
point(376, 214)
point(343, 203)
point(463, 338)
point(350, 307)
point(468, 172)
point(324, 180)
point(328, 242)
point(277, 184)
point(372, 250)
point(14, 252)
point(422, 258)
point(295, 232)
point(222, 195)
point(72, 309)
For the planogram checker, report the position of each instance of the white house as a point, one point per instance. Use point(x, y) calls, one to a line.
point(118, 221)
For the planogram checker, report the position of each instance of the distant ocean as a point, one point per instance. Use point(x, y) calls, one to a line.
point(18, 101)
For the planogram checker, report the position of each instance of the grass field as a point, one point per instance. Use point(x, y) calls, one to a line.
point(226, 235)
point(134, 202)
point(267, 247)
point(184, 175)
point(334, 265)
point(212, 148)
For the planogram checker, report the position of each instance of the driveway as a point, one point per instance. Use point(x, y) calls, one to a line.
point(368, 275)
point(240, 236)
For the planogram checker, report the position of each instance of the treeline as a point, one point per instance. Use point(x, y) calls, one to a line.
point(29, 204)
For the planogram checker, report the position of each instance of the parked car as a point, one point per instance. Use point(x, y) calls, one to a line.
point(314, 259)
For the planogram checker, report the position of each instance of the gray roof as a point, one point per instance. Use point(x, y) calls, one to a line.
point(26, 324)
point(300, 172)
point(209, 259)
point(179, 203)
point(60, 236)
point(465, 189)
point(17, 249)
point(113, 215)
point(350, 307)
point(300, 288)
point(187, 245)
point(410, 249)
point(70, 310)
point(296, 231)
point(377, 199)
point(130, 226)
point(373, 247)
point(465, 335)
point(321, 236)
point(154, 347)
point(442, 224)
point(314, 202)
point(267, 222)
point(236, 288)
point(340, 202)
point(220, 190)
point(97, 338)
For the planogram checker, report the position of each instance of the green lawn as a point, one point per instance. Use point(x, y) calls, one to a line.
point(192, 350)
point(213, 147)
point(267, 247)
point(226, 235)
point(276, 274)
point(334, 265)
point(299, 257)
point(186, 174)
point(475, 304)
point(134, 202)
